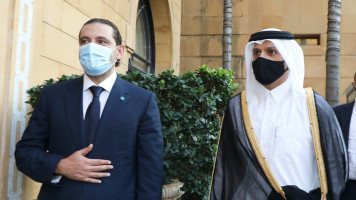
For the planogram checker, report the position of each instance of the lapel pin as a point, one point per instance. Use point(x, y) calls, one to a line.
point(122, 98)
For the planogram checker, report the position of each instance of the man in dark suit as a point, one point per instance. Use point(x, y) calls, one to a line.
point(96, 137)
point(346, 115)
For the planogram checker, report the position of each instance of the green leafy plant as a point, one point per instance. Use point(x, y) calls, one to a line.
point(190, 105)
point(35, 92)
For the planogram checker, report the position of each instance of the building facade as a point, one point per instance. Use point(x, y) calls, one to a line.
point(202, 35)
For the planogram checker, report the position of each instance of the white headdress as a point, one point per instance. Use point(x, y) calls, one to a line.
point(293, 56)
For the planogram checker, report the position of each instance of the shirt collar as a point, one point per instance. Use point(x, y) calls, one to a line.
point(279, 92)
point(107, 84)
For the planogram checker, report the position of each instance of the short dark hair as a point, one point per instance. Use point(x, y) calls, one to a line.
point(116, 33)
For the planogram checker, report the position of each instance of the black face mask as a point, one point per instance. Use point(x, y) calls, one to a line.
point(267, 71)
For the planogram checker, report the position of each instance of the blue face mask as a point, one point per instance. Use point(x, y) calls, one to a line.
point(95, 59)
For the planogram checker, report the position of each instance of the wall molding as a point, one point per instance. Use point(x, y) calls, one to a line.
point(22, 67)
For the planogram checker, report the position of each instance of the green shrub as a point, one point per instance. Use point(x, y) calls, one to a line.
point(190, 105)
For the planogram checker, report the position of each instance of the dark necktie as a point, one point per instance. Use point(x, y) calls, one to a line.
point(92, 115)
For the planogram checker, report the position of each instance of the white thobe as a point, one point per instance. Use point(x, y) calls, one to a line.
point(281, 123)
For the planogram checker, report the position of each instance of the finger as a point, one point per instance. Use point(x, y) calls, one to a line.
point(96, 162)
point(92, 180)
point(98, 174)
point(100, 168)
point(86, 150)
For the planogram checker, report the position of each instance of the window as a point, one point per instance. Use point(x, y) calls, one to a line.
point(143, 58)
point(308, 40)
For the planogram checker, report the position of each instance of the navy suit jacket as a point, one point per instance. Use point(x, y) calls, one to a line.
point(129, 135)
point(343, 114)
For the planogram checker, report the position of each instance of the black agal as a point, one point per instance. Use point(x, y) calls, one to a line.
point(262, 35)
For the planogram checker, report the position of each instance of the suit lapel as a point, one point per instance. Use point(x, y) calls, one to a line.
point(348, 110)
point(116, 103)
point(73, 101)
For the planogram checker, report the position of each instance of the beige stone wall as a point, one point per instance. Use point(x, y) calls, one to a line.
point(166, 19)
point(39, 40)
point(202, 34)
point(201, 40)
point(16, 57)
point(5, 55)
point(347, 45)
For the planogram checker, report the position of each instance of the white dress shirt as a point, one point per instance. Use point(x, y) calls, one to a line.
point(281, 123)
point(107, 84)
point(352, 145)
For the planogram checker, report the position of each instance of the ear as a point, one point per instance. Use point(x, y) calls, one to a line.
point(120, 52)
